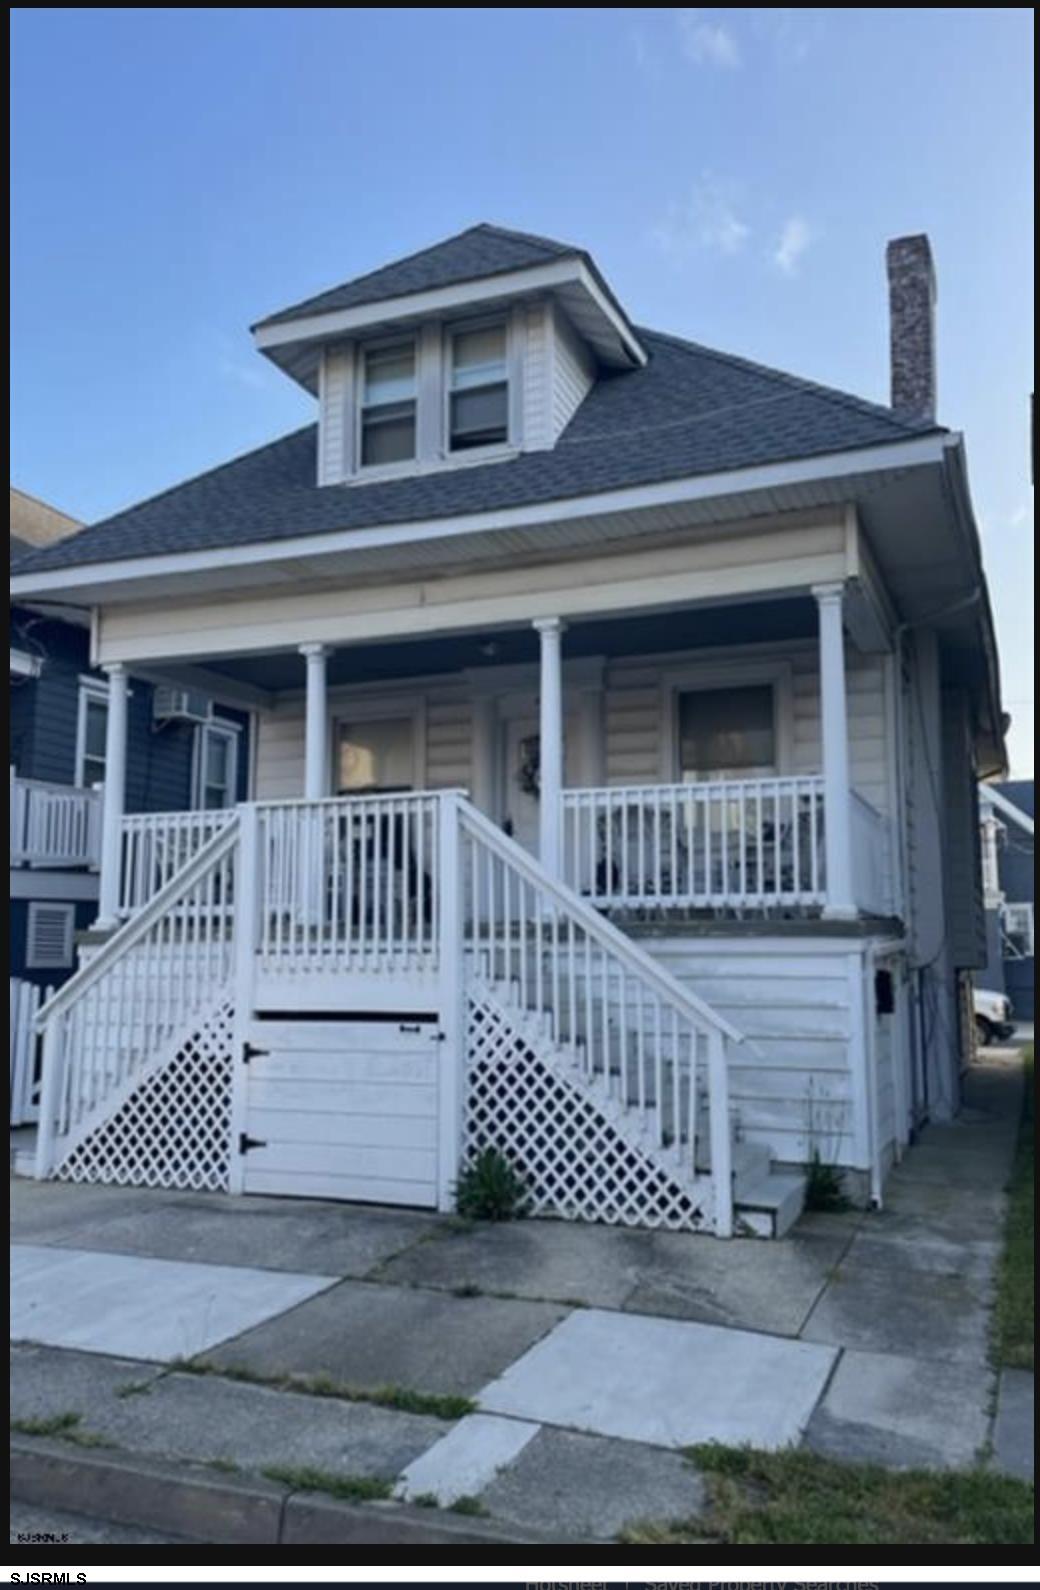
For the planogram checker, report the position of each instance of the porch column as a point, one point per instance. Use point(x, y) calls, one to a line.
point(835, 732)
point(550, 744)
point(113, 797)
point(315, 762)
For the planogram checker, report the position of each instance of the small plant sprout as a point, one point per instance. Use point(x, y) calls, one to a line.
point(490, 1188)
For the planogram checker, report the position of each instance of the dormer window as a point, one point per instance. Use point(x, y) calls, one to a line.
point(388, 404)
point(478, 395)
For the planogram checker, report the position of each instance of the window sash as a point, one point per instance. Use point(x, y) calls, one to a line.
point(478, 388)
point(388, 404)
point(375, 755)
point(728, 732)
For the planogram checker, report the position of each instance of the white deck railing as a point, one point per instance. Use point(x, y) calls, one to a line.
point(349, 883)
point(156, 845)
point(54, 825)
point(748, 842)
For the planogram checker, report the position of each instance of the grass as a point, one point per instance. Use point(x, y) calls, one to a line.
point(401, 1398)
point(1014, 1312)
point(469, 1506)
point(798, 1498)
point(346, 1487)
point(62, 1426)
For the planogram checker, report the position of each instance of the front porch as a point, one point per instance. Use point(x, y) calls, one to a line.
point(418, 937)
point(645, 764)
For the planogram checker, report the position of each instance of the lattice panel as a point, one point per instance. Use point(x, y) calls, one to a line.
point(576, 1164)
point(175, 1128)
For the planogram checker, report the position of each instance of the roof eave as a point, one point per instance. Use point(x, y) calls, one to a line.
point(294, 344)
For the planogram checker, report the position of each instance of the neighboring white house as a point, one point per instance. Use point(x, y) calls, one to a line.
point(619, 707)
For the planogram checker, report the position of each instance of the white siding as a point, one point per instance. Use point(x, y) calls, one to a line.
point(637, 699)
point(537, 430)
point(573, 372)
point(334, 412)
point(797, 1082)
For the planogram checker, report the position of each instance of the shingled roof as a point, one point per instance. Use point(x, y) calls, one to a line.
point(478, 252)
point(689, 411)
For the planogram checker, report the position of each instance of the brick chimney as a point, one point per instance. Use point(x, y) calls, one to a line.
point(911, 309)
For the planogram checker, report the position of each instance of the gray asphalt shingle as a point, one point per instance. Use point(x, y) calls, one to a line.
point(689, 411)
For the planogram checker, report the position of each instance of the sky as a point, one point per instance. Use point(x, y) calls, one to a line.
point(179, 173)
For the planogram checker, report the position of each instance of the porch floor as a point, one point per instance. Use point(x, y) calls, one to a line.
point(884, 1316)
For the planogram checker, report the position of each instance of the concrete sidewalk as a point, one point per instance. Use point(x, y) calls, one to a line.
point(546, 1375)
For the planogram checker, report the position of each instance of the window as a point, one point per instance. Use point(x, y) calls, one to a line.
point(90, 734)
point(48, 938)
point(388, 404)
point(727, 733)
point(479, 389)
point(215, 776)
point(1017, 921)
point(374, 756)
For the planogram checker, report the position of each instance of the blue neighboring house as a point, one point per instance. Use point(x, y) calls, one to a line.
point(1007, 815)
point(185, 752)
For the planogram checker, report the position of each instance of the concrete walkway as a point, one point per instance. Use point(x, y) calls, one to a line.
point(589, 1355)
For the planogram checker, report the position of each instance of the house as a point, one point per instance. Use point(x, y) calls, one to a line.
point(1006, 824)
point(178, 760)
point(620, 706)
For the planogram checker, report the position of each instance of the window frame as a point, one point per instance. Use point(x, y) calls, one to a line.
point(398, 466)
point(734, 675)
point(91, 692)
point(223, 728)
point(457, 328)
point(34, 963)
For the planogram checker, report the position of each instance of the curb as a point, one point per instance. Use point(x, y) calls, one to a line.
point(227, 1510)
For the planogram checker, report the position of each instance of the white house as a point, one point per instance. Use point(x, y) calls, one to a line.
point(618, 707)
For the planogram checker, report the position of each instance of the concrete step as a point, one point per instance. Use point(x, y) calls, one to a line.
point(770, 1205)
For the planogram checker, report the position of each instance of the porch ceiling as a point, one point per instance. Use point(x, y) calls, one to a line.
point(792, 618)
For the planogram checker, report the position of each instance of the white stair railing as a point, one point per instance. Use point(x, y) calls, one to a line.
point(628, 1026)
point(162, 970)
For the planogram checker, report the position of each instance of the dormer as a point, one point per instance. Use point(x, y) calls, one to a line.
point(473, 351)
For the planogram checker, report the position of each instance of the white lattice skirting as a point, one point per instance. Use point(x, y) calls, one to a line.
point(175, 1128)
point(576, 1164)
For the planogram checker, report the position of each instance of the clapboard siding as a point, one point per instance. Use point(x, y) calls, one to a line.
point(792, 1084)
point(333, 450)
point(573, 372)
point(537, 431)
point(965, 909)
point(636, 699)
point(43, 730)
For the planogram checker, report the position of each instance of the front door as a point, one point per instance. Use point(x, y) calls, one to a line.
point(520, 803)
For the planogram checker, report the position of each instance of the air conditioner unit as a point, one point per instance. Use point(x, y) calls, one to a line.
point(170, 705)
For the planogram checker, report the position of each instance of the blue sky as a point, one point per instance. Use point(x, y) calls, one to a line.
point(736, 173)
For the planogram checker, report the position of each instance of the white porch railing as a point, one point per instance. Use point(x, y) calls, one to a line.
point(156, 845)
point(54, 825)
point(869, 841)
point(350, 883)
point(748, 842)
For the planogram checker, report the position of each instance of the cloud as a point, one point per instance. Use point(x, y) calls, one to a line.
point(704, 42)
point(708, 220)
point(795, 238)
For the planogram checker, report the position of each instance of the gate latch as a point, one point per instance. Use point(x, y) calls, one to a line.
point(245, 1142)
point(251, 1052)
